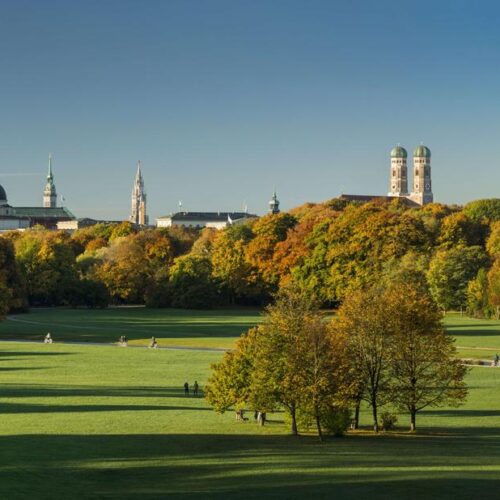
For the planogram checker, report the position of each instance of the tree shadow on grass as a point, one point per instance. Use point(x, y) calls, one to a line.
point(231, 466)
point(10, 408)
point(44, 390)
point(463, 413)
point(477, 333)
point(23, 354)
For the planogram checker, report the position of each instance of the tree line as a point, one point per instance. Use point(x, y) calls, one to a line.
point(328, 249)
point(385, 346)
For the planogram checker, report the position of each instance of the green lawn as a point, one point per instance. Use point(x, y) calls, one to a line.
point(475, 338)
point(108, 422)
point(171, 327)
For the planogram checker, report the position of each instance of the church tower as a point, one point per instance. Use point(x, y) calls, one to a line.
point(49, 193)
point(422, 184)
point(399, 172)
point(138, 215)
point(274, 204)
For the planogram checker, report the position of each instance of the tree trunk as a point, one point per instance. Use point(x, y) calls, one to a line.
point(295, 432)
point(413, 421)
point(318, 426)
point(356, 414)
point(375, 417)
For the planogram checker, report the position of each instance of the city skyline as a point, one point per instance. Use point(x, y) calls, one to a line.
point(224, 101)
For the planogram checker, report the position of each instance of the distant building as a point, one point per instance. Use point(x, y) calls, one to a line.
point(398, 187)
point(216, 220)
point(9, 221)
point(274, 204)
point(72, 225)
point(138, 214)
point(49, 215)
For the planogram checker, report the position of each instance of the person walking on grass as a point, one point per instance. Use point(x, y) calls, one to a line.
point(195, 388)
point(153, 344)
point(47, 339)
point(496, 359)
point(186, 389)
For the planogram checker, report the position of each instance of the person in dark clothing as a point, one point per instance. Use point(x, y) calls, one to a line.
point(186, 389)
point(195, 388)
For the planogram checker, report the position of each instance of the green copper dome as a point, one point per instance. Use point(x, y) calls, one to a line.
point(422, 151)
point(399, 152)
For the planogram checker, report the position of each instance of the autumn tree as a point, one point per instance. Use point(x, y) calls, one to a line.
point(458, 229)
point(230, 384)
point(422, 357)
point(363, 320)
point(494, 287)
point(450, 272)
point(237, 278)
point(47, 262)
point(191, 283)
point(483, 210)
point(477, 295)
point(279, 359)
point(325, 383)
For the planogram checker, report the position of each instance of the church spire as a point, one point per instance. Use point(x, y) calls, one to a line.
point(49, 175)
point(138, 214)
point(49, 193)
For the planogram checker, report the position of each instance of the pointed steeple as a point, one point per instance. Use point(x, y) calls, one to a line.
point(49, 193)
point(49, 175)
point(138, 215)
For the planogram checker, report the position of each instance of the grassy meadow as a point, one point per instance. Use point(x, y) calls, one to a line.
point(90, 421)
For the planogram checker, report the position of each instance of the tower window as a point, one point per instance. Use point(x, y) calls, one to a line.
point(416, 171)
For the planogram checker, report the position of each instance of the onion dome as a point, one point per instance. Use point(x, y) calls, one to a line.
point(399, 152)
point(3, 196)
point(422, 152)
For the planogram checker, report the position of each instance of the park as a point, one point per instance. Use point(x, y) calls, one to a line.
point(84, 418)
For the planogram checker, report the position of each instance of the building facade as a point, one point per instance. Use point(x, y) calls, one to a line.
point(48, 215)
point(138, 215)
point(421, 192)
point(198, 220)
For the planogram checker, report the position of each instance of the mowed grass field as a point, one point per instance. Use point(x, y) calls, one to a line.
point(100, 421)
point(171, 327)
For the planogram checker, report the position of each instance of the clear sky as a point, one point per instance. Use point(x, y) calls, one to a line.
point(223, 100)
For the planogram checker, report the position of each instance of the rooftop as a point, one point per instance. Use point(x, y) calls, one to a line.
point(208, 216)
point(44, 212)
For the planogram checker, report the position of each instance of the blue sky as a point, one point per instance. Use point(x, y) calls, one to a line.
point(223, 100)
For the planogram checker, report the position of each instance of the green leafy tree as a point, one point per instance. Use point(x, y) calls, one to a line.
point(450, 272)
point(424, 367)
point(363, 319)
point(459, 230)
point(494, 287)
point(477, 295)
point(192, 286)
point(487, 210)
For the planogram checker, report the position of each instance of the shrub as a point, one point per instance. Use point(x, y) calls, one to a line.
point(336, 421)
point(388, 420)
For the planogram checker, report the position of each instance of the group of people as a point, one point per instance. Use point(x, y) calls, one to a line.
point(196, 388)
point(122, 341)
point(258, 416)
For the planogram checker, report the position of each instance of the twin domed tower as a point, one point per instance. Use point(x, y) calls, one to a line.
point(422, 185)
